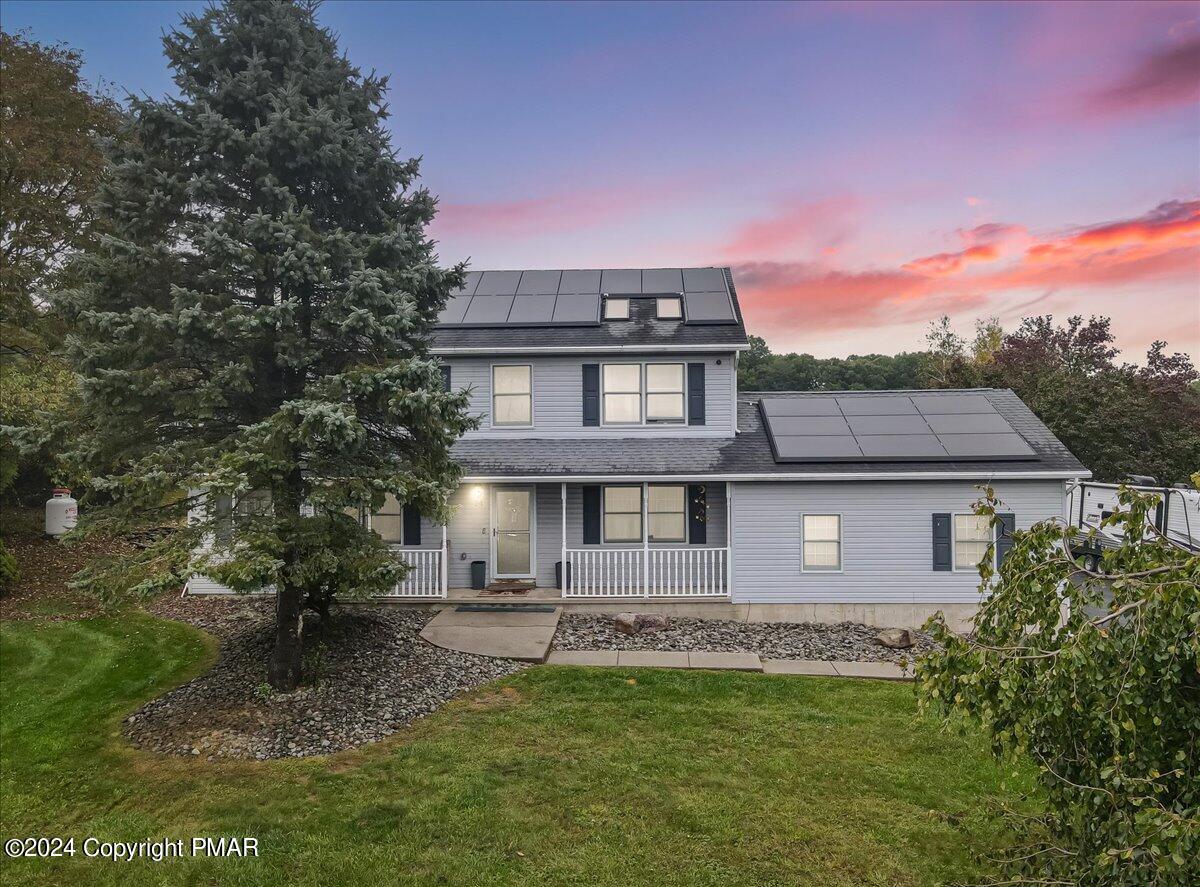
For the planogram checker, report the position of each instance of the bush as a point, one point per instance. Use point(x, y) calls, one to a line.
point(1092, 675)
point(9, 573)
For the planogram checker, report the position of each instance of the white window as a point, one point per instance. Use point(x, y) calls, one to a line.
point(821, 542)
point(669, 308)
point(622, 387)
point(512, 395)
point(623, 514)
point(972, 535)
point(388, 521)
point(664, 392)
point(666, 512)
point(616, 309)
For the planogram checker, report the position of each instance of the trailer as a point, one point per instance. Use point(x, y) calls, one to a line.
point(1176, 514)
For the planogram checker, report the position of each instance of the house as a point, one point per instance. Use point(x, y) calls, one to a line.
point(617, 464)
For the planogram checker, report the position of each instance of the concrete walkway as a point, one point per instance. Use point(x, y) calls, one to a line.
point(506, 633)
point(887, 671)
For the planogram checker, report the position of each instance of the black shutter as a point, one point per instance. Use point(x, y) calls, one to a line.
point(697, 514)
point(412, 525)
point(591, 394)
point(446, 375)
point(591, 515)
point(695, 393)
point(941, 542)
point(1004, 539)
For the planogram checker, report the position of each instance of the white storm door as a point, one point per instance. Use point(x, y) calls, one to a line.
point(513, 526)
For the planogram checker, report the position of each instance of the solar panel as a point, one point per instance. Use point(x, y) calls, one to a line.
point(539, 282)
point(942, 404)
point(877, 406)
point(532, 309)
point(498, 283)
point(703, 280)
point(861, 425)
point(577, 309)
point(456, 307)
point(901, 446)
point(468, 287)
point(662, 280)
point(809, 448)
point(800, 406)
point(708, 307)
point(579, 282)
point(986, 446)
point(488, 309)
point(890, 428)
point(621, 280)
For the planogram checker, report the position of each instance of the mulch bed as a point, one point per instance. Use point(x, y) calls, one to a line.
point(371, 677)
point(846, 641)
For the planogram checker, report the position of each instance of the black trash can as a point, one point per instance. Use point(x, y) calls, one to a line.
point(558, 574)
point(478, 575)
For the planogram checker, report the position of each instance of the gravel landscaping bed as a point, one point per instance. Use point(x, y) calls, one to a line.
point(846, 641)
point(373, 676)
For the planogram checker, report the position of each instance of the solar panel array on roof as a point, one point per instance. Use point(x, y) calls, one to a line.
point(553, 298)
point(890, 428)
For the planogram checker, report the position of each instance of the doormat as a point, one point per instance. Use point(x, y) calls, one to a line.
point(504, 608)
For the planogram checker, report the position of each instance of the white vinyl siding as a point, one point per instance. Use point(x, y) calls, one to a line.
point(821, 542)
point(512, 395)
point(887, 536)
point(557, 386)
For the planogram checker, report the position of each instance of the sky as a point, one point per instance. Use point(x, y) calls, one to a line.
point(863, 167)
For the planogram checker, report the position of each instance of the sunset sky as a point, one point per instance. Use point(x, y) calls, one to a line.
point(863, 167)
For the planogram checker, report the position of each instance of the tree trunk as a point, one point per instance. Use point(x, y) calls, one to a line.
point(284, 671)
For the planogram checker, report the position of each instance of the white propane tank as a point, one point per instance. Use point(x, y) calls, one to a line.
point(61, 512)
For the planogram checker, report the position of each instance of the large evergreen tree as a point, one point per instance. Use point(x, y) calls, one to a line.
point(256, 323)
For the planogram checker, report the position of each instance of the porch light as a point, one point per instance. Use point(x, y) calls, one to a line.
point(476, 494)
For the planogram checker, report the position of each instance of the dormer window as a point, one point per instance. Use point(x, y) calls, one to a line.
point(616, 309)
point(669, 308)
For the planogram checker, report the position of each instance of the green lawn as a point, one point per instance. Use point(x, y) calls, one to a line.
point(557, 775)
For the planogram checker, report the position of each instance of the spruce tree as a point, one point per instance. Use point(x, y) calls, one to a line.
point(254, 326)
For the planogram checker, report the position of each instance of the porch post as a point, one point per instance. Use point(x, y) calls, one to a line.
point(729, 538)
point(566, 572)
point(445, 570)
point(645, 541)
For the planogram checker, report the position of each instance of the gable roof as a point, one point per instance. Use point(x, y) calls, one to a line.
point(548, 310)
point(749, 454)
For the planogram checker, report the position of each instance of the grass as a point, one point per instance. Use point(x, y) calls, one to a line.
point(556, 775)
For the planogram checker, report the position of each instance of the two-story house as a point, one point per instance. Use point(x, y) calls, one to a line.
point(616, 462)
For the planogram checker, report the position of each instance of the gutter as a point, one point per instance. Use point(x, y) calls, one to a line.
point(591, 349)
point(810, 476)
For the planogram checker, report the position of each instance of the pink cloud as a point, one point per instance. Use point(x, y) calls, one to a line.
point(821, 225)
point(1167, 77)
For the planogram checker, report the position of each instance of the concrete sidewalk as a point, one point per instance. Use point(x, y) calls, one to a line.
point(887, 671)
point(503, 633)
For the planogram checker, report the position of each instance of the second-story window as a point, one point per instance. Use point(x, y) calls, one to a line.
point(621, 384)
point(664, 392)
point(512, 395)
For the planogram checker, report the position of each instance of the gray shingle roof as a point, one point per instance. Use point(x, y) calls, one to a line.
point(747, 454)
point(642, 329)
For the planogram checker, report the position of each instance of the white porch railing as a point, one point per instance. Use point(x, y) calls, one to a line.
point(426, 575)
point(647, 572)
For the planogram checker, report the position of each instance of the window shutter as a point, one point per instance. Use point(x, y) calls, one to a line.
point(1004, 539)
point(591, 515)
point(591, 394)
point(695, 393)
point(941, 542)
point(412, 525)
point(446, 376)
point(697, 514)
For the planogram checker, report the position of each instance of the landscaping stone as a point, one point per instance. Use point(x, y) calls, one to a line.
point(374, 676)
point(650, 622)
point(626, 623)
point(896, 638)
point(846, 641)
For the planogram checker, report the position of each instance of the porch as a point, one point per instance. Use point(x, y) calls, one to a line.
point(618, 540)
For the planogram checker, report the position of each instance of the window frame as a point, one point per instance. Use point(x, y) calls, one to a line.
point(641, 513)
point(649, 513)
point(841, 542)
point(494, 395)
point(643, 393)
point(658, 300)
point(973, 568)
point(628, 308)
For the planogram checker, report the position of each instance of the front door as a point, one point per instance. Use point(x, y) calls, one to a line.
point(513, 526)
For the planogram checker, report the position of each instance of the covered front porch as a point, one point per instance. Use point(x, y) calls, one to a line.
point(611, 539)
